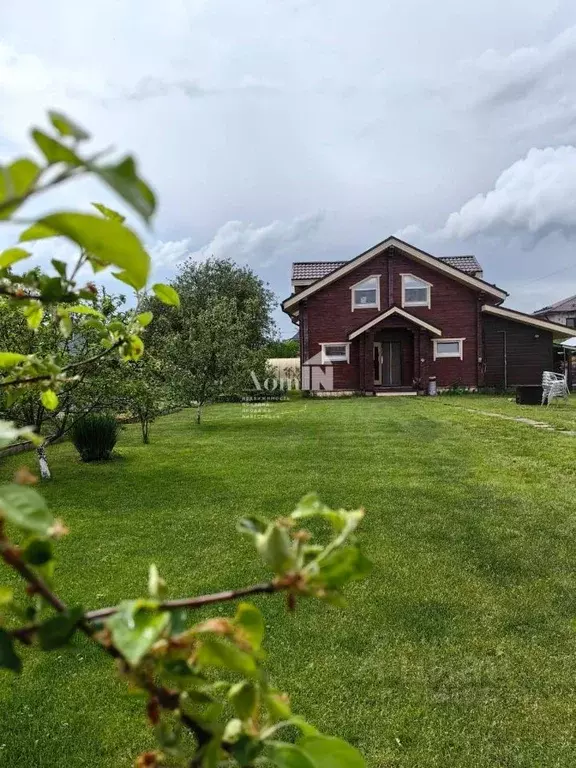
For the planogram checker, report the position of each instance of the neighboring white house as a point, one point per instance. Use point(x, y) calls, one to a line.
point(562, 312)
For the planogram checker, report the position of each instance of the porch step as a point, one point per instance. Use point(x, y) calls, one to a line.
point(395, 393)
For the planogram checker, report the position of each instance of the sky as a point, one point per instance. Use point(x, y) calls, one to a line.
point(291, 130)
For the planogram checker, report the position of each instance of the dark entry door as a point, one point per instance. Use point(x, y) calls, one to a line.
point(391, 364)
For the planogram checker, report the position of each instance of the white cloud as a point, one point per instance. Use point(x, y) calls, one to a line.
point(261, 246)
point(534, 196)
point(170, 252)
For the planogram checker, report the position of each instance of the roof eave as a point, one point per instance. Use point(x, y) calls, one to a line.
point(559, 331)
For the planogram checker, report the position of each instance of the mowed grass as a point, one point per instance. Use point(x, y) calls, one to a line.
point(457, 651)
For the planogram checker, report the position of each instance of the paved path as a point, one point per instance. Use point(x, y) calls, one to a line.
point(521, 419)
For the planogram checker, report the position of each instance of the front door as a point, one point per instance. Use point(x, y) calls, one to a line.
point(388, 363)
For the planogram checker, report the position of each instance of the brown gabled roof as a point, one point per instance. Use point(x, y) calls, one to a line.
point(416, 253)
point(314, 270)
point(565, 305)
point(464, 263)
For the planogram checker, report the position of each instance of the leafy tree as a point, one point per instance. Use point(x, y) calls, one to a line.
point(145, 392)
point(201, 284)
point(211, 355)
point(218, 335)
point(93, 388)
point(286, 348)
point(208, 677)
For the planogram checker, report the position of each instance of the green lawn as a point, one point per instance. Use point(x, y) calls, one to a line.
point(457, 651)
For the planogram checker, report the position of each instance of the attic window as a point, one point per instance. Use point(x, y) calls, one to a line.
point(415, 292)
point(366, 294)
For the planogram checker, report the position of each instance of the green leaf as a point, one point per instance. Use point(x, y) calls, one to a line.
point(8, 657)
point(57, 631)
point(109, 213)
point(124, 277)
point(278, 706)
point(67, 127)
point(10, 359)
point(306, 728)
point(84, 309)
point(330, 752)
point(109, 241)
point(54, 151)
point(6, 595)
point(251, 621)
point(23, 174)
point(11, 256)
point(38, 552)
point(214, 652)
point(166, 294)
point(24, 507)
point(16, 180)
point(286, 755)
point(49, 399)
point(33, 313)
point(123, 178)
point(59, 266)
point(156, 584)
point(276, 548)
point(66, 326)
point(245, 749)
point(252, 525)
point(136, 347)
point(135, 629)
point(244, 699)
point(343, 565)
point(144, 318)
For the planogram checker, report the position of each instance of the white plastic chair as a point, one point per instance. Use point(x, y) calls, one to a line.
point(553, 385)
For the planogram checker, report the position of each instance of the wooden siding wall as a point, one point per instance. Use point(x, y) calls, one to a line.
point(529, 352)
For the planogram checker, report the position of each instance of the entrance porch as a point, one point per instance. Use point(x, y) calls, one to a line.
point(394, 353)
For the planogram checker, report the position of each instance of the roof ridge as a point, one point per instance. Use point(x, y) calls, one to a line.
point(556, 304)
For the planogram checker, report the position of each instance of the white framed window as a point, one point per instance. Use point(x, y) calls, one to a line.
point(415, 291)
point(336, 353)
point(448, 348)
point(366, 294)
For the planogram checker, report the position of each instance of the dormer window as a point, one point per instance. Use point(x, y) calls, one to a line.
point(366, 294)
point(415, 292)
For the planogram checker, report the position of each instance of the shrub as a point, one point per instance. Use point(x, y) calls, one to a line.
point(95, 435)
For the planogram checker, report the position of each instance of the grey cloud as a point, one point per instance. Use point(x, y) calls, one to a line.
point(535, 196)
point(508, 78)
point(262, 245)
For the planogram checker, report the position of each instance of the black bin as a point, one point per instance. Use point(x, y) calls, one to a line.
point(529, 394)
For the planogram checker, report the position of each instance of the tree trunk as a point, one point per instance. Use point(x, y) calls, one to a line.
point(45, 473)
point(198, 413)
point(144, 424)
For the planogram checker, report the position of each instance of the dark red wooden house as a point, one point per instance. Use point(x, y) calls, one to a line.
point(395, 316)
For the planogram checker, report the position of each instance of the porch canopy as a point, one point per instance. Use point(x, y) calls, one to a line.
point(393, 350)
point(391, 313)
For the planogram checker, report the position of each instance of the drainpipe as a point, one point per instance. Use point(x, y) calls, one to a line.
point(505, 345)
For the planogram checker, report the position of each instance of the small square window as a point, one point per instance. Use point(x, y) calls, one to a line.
point(448, 348)
point(335, 353)
point(571, 322)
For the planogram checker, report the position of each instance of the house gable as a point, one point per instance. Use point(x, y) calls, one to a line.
point(411, 253)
